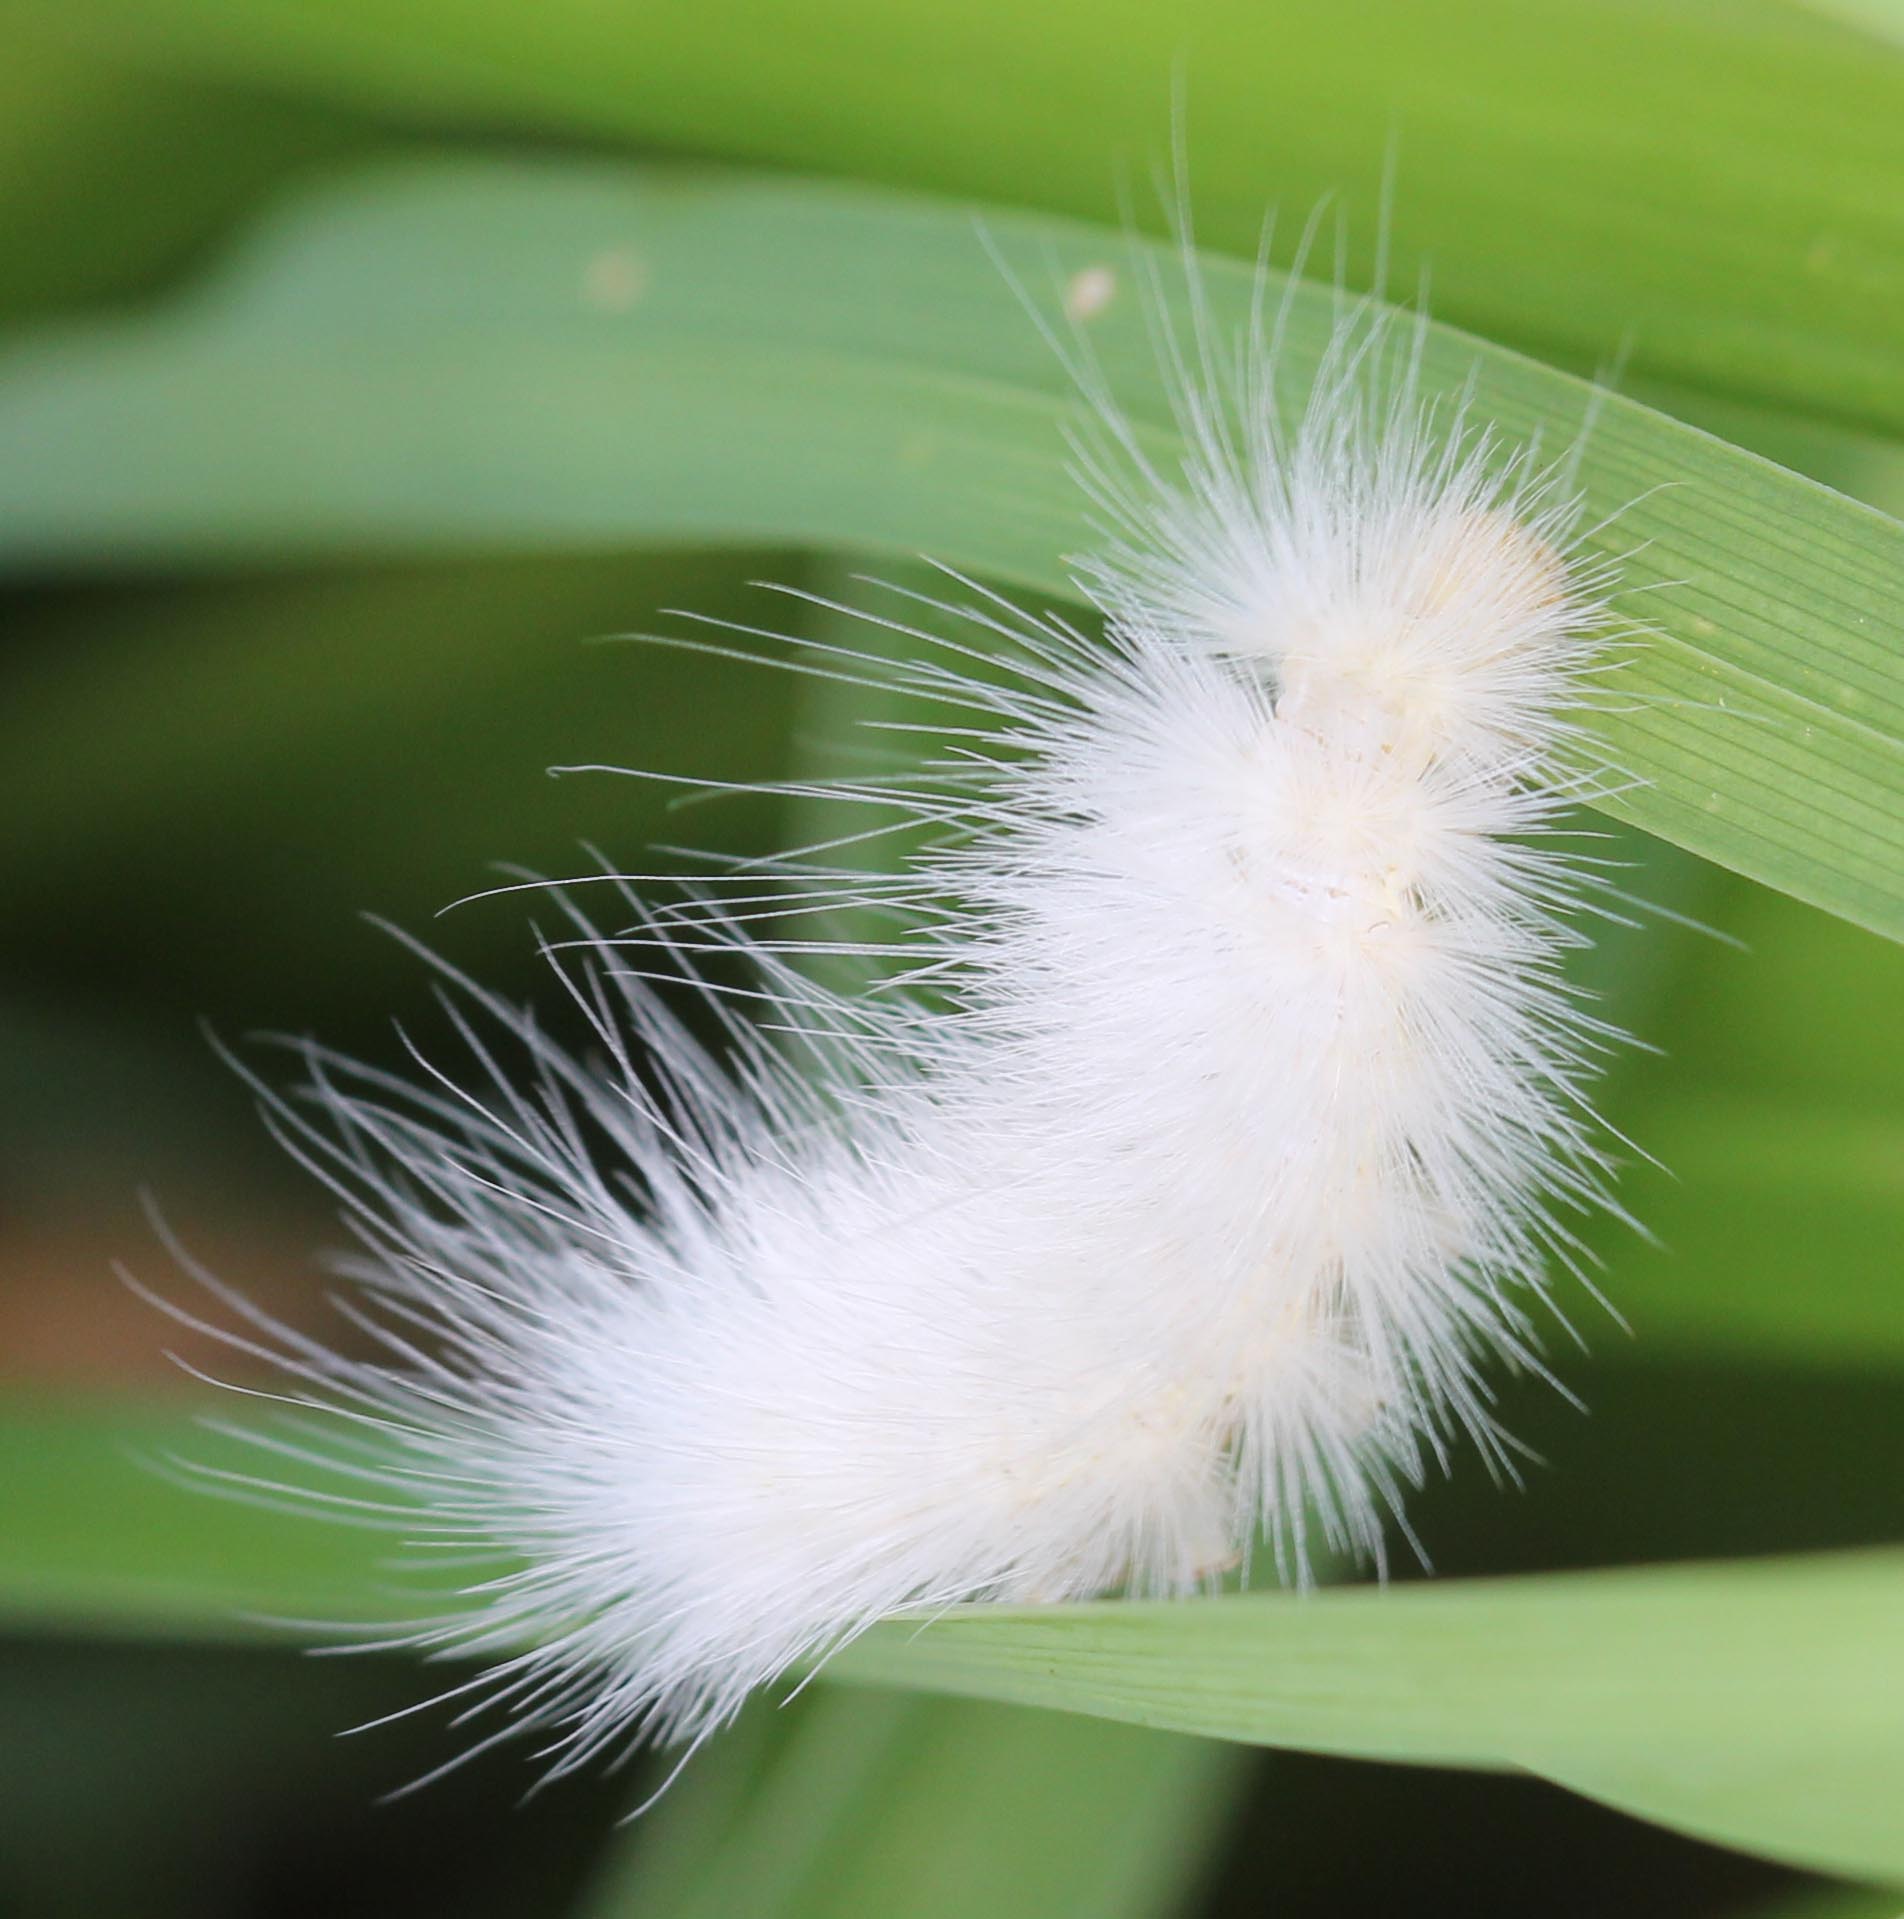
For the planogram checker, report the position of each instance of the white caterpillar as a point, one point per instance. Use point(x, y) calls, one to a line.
point(1181, 1201)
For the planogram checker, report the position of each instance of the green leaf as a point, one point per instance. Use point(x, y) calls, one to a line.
point(1882, 18)
point(1777, 1234)
point(1755, 1703)
point(1707, 185)
point(101, 1538)
point(1774, 1226)
point(1831, 1902)
point(1751, 1702)
point(110, 176)
point(533, 356)
point(903, 1807)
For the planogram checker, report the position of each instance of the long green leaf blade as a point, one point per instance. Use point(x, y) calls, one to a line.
point(102, 1538)
point(1760, 1703)
point(1708, 185)
point(871, 1807)
point(490, 356)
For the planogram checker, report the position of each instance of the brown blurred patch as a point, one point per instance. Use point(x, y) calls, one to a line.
point(68, 1320)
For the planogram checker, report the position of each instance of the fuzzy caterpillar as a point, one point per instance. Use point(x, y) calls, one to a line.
point(1224, 1135)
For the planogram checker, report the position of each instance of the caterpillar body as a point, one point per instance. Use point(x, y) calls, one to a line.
point(1218, 1131)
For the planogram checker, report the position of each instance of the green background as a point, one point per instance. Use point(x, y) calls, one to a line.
point(371, 367)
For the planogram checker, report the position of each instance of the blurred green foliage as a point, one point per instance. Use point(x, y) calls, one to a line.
point(216, 764)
